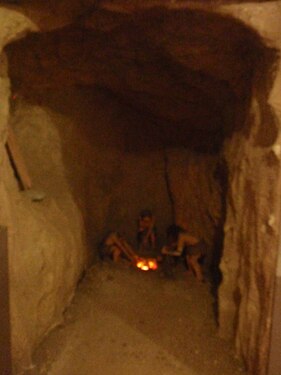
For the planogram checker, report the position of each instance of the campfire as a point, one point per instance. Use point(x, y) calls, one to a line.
point(144, 264)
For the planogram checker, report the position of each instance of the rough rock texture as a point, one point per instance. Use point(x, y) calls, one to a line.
point(250, 245)
point(252, 224)
point(46, 249)
point(175, 74)
point(189, 86)
point(197, 185)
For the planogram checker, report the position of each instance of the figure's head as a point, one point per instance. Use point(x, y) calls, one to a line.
point(111, 238)
point(146, 214)
point(173, 232)
point(145, 218)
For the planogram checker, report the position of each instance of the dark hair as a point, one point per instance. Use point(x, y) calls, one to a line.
point(173, 232)
point(145, 213)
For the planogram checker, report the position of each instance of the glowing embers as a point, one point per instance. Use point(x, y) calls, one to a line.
point(147, 264)
point(116, 245)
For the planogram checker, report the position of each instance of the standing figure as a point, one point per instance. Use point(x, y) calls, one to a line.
point(146, 236)
point(180, 243)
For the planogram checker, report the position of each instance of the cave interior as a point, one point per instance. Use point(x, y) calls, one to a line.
point(142, 105)
point(124, 111)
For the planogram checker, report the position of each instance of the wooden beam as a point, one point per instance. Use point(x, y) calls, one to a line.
point(275, 345)
point(18, 160)
point(5, 328)
point(274, 364)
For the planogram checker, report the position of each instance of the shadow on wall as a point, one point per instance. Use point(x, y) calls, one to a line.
point(215, 272)
point(139, 130)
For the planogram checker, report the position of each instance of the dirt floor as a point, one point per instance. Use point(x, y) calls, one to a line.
point(124, 321)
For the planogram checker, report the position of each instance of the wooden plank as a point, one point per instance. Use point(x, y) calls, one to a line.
point(18, 160)
point(5, 328)
point(275, 345)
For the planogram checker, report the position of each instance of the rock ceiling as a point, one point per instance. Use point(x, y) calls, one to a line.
point(185, 66)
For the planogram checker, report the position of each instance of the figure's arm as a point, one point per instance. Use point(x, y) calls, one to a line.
point(167, 250)
point(153, 239)
point(186, 239)
point(150, 235)
point(140, 225)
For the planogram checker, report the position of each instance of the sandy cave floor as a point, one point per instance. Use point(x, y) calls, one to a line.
point(123, 321)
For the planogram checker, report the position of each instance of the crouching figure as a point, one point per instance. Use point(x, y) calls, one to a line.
point(115, 245)
point(182, 244)
point(109, 247)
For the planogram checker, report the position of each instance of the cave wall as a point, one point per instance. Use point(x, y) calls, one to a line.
point(253, 206)
point(250, 244)
point(47, 251)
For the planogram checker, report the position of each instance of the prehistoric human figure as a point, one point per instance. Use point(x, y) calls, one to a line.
point(109, 247)
point(181, 243)
point(146, 236)
point(114, 246)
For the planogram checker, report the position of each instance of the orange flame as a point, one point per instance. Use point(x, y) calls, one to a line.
point(152, 263)
point(147, 264)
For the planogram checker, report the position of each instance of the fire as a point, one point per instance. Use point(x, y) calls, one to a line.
point(142, 264)
point(152, 263)
point(147, 264)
